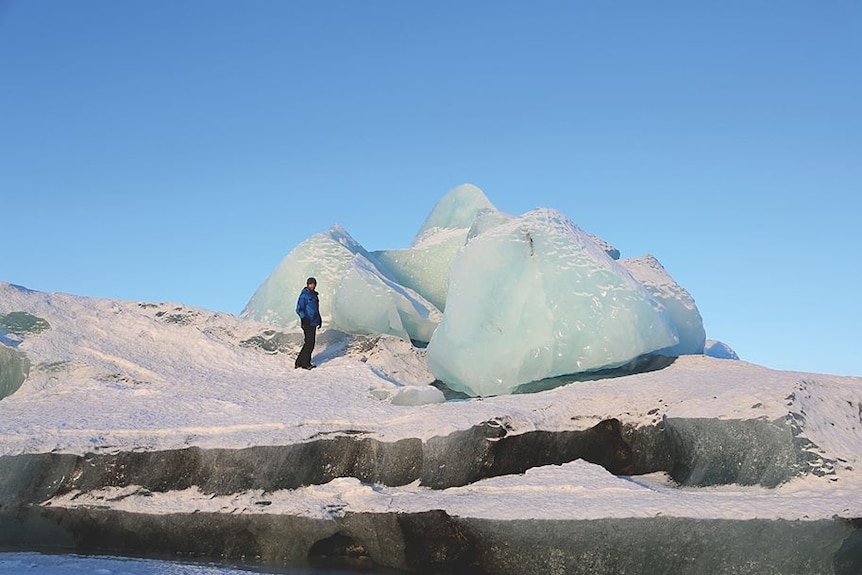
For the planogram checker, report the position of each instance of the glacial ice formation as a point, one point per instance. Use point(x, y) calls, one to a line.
point(417, 395)
point(500, 300)
point(425, 266)
point(455, 211)
point(355, 296)
point(327, 256)
point(719, 349)
point(678, 302)
point(534, 297)
point(367, 302)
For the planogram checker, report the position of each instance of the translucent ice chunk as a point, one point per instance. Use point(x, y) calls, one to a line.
point(367, 302)
point(327, 256)
point(418, 395)
point(456, 210)
point(678, 302)
point(424, 267)
point(535, 297)
point(719, 349)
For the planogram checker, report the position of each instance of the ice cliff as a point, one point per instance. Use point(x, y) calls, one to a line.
point(500, 300)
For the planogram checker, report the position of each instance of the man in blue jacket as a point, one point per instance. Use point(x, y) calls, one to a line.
point(308, 310)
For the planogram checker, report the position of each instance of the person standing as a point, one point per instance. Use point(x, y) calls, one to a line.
point(308, 310)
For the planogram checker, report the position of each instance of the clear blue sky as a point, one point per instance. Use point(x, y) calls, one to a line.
point(178, 150)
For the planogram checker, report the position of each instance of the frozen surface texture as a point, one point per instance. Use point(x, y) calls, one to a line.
point(535, 297)
point(678, 302)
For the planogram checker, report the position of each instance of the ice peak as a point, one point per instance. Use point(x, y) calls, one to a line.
point(456, 210)
point(338, 234)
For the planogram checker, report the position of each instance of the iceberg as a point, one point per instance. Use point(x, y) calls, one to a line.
point(678, 302)
point(501, 300)
point(534, 297)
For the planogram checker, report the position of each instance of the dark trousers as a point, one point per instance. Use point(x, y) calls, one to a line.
point(304, 359)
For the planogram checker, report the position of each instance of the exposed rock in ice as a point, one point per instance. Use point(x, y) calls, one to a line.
point(21, 323)
point(534, 297)
point(678, 302)
point(14, 368)
point(719, 349)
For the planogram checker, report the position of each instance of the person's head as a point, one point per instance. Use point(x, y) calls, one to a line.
point(311, 283)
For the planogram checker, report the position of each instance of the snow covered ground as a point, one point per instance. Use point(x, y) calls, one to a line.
point(107, 376)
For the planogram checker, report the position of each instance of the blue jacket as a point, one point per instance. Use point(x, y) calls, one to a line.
point(308, 307)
